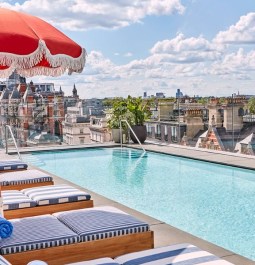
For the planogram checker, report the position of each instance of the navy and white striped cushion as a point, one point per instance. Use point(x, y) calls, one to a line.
point(181, 254)
point(12, 165)
point(23, 177)
point(101, 261)
point(101, 222)
point(15, 199)
point(54, 194)
point(38, 232)
point(3, 261)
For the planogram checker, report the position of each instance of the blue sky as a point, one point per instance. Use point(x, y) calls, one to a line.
point(203, 47)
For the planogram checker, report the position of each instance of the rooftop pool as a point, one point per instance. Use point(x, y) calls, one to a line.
point(211, 201)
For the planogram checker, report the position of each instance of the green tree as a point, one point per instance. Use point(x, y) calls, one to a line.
point(107, 102)
point(139, 109)
point(251, 105)
point(222, 100)
point(118, 112)
point(202, 101)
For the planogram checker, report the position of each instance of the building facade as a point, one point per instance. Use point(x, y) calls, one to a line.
point(76, 126)
point(31, 109)
point(99, 130)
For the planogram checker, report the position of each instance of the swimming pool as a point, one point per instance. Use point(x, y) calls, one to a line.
point(211, 201)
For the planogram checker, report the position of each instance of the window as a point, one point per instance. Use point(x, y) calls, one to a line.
point(82, 140)
point(158, 131)
point(81, 130)
point(149, 130)
point(241, 112)
point(174, 133)
point(166, 133)
point(48, 88)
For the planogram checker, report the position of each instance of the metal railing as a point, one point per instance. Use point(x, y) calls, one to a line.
point(13, 138)
point(121, 140)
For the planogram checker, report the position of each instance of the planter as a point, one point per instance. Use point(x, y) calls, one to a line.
point(116, 136)
point(141, 133)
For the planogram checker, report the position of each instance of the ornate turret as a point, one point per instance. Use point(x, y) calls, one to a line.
point(28, 93)
point(75, 92)
point(60, 91)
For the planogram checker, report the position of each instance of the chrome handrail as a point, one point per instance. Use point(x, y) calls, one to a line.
point(131, 131)
point(13, 138)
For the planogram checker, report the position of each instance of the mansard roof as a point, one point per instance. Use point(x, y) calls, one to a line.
point(15, 94)
point(5, 94)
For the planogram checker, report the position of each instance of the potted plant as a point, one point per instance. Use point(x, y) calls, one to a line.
point(118, 112)
point(140, 112)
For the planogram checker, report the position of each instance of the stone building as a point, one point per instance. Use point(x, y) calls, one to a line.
point(228, 113)
point(176, 120)
point(76, 126)
point(99, 130)
point(93, 107)
point(228, 130)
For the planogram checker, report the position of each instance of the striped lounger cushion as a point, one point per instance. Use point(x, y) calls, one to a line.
point(55, 194)
point(12, 165)
point(15, 199)
point(101, 222)
point(38, 232)
point(24, 177)
point(181, 254)
point(101, 261)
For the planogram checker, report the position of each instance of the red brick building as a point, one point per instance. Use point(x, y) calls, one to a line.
point(32, 109)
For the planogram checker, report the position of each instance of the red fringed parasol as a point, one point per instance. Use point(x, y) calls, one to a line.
point(32, 46)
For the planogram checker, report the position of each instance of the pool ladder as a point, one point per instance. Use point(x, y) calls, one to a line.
point(13, 138)
point(121, 140)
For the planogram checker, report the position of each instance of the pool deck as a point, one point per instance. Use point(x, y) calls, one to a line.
point(165, 234)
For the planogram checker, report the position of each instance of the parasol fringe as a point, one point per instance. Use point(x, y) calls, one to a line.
point(6, 72)
point(63, 60)
point(25, 64)
point(41, 71)
point(22, 61)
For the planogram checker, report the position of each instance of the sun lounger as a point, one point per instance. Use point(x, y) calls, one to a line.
point(101, 261)
point(6, 165)
point(181, 254)
point(18, 180)
point(43, 200)
point(3, 261)
point(76, 235)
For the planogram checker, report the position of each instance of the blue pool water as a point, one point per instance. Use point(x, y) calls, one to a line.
point(211, 201)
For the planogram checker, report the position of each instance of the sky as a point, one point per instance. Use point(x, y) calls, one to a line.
point(202, 47)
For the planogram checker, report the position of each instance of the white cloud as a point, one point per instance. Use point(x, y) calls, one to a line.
point(87, 14)
point(187, 50)
point(192, 63)
point(242, 32)
point(128, 54)
point(236, 64)
point(180, 43)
